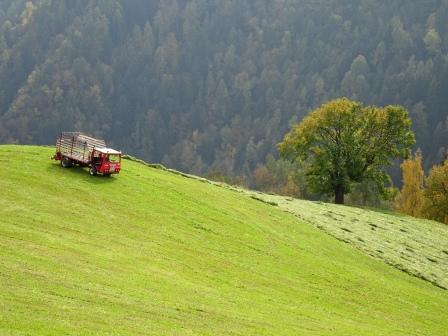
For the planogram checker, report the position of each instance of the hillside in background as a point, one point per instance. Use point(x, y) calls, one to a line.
point(153, 252)
point(206, 85)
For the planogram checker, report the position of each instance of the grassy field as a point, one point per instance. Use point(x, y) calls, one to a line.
point(151, 252)
point(416, 246)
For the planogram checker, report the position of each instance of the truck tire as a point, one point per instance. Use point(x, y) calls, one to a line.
point(92, 171)
point(66, 162)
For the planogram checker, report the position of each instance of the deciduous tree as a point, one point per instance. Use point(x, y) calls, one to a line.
point(410, 200)
point(436, 194)
point(344, 142)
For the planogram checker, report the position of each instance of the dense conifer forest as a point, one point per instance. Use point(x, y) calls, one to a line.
point(210, 87)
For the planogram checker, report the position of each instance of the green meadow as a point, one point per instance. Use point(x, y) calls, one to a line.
point(416, 246)
point(150, 252)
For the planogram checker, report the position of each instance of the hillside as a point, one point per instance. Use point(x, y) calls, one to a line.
point(418, 247)
point(152, 252)
point(212, 85)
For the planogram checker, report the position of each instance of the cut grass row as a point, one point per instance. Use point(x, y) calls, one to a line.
point(416, 246)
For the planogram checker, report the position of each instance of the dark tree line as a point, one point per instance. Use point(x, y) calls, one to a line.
point(210, 86)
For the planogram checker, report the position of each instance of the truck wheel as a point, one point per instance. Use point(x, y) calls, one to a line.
point(92, 171)
point(66, 162)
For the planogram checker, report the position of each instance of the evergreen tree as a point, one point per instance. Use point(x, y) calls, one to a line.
point(103, 66)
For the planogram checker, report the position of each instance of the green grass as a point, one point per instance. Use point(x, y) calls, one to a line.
point(416, 246)
point(150, 252)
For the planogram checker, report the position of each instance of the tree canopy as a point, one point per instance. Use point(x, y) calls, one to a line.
point(213, 85)
point(436, 193)
point(343, 142)
point(410, 199)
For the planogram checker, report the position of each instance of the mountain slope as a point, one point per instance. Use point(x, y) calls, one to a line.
point(212, 85)
point(150, 252)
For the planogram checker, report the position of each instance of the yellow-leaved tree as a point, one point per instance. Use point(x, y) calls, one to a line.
point(436, 193)
point(410, 199)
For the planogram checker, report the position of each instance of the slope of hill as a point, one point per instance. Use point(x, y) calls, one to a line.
point(213, 85)
point(416, 246)
point(150, 252)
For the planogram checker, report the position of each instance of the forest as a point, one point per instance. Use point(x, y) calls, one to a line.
point(211, 87)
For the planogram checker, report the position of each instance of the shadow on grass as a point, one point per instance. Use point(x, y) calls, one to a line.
point(79, 173)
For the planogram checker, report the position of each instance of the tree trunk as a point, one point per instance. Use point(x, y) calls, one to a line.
point(339, 195)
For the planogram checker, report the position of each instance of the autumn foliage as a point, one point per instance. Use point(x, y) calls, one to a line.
point(410, 200)
point(436, 194)
point(424, 197)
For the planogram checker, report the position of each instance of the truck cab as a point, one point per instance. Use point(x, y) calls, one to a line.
point(105, 161)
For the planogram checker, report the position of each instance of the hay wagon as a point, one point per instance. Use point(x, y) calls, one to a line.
point(76, 148)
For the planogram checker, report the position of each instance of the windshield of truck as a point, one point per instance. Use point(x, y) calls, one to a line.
point(114, 158)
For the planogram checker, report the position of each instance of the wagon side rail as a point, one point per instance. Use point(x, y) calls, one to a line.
point(77, 146)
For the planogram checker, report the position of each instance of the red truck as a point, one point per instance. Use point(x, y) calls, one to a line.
point(77, 148)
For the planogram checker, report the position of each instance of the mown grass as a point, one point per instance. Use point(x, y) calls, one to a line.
point(151, 252)
point(416, 246)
